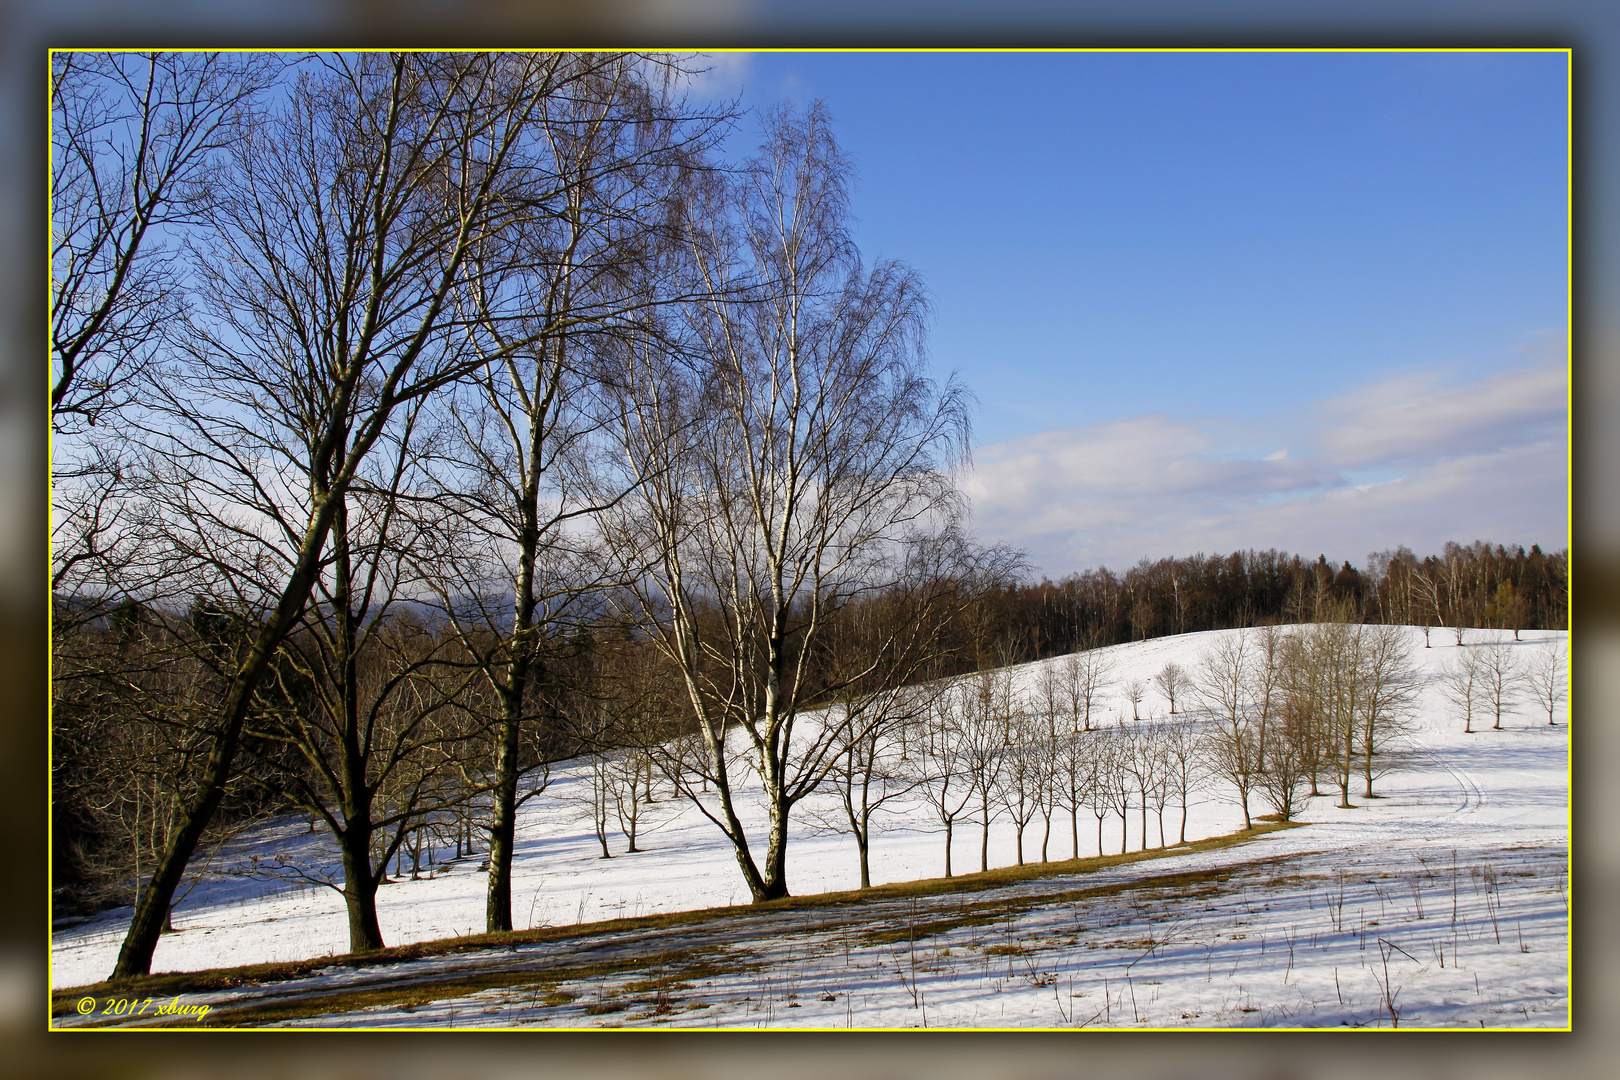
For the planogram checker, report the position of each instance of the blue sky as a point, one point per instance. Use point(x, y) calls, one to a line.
point(1213, 300)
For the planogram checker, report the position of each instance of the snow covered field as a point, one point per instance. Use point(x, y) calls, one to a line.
point(1445, 903)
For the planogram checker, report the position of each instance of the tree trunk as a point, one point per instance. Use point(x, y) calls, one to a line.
point(949, 823)
point(503, 797)
point(866, 868)
point(1349, 765)
point(859, 822)
point(773, 883)
point(146, 925)
point(984, 840)
point(360, 887)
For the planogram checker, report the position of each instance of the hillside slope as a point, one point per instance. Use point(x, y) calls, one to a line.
point(1479, 796)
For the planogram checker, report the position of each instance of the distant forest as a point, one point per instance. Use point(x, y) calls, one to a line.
point(1475, 585)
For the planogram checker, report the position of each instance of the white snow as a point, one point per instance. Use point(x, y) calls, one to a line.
point(1455, 883)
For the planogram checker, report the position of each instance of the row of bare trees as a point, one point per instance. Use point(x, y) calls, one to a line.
point(1282, 714)
point(1278, 714)
point(1491, 677)
point(1302, 708)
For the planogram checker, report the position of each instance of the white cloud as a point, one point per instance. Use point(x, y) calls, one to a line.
point(1447, 459)
point(1421, 416)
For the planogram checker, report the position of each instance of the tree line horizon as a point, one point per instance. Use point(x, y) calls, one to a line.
point(1469, 585)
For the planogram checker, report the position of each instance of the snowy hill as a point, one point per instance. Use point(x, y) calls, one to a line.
point(1458, 797)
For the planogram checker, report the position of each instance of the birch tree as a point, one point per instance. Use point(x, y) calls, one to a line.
point(528, 465)
point(792, 455)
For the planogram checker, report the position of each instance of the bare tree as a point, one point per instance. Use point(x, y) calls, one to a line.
point(336, 246)
point(1388, 693)
point(1118, 781)
point(1425, 588)
point(875, 768)
point(134, 142)
point(1462, 681)
point(1548, 676)
point(1140, 764)
point(1500, 673)
point(1223, 683)
point(370, 700)
point(1322, 690)
point(1135, 691)
point(1073, 777)
point(1060, 783)
point(1313, 700)
point(1290, 759)
point(878, 654)
point(1086, 675)
point(1264, 680)
point(366, 697)
point(1454, 599)
point(131, 690)
point(786, 474)
point(593, 799)
point(527, 466)
point(1172, 679)
point(135, 139)
point(987, 709)
point(1221, 679)
point(1099, 760)
point(1231, 751)
point(1184, 765)
point(630, 783)
point(943, 742)
point(1160, 788)
point(1024, 775)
